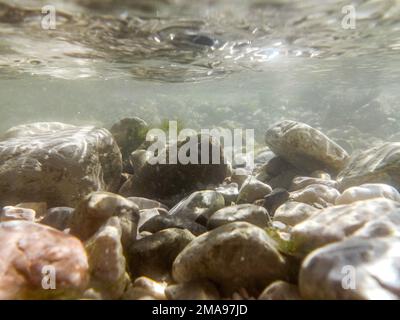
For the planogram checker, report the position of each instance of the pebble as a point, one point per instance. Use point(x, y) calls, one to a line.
point(280, 290)
point(353, 269)
point(305, 147)
point(153, 255)
point(368, 191)
point(369, 218)
point(233, 256)
point(243, 212)
point(252, 190)
point(28, 249)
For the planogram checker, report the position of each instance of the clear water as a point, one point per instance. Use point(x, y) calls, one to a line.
point(230, 63)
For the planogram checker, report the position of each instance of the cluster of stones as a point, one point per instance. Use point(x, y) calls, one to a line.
point(308, 221)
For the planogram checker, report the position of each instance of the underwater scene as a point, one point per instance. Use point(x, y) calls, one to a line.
point(200, 150)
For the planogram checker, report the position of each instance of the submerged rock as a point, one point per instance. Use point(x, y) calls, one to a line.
point(199, 206)
point(292, 212)
point(368, 191)
point(39, 262)
point(137, 161)
point(153, 255)
point(379, 164)
point(356, 268)
point(56, 163)
point(370, 218)
point(40, 208)
point(129, 133)
point(239, 176)
point(58, 218)
point(165, 180)
point(252, 190)
point(144, 287)
point(144, 203)
point(303, 182)
point(146, 215)
point(198, 290)
point(280, 290)
point(305, 147)
point(161, 222)
point(230, 192)
point(233, 256)
point(95, 210)
point(107, 261)
point(275, 166)
point(275, 199)
point(263, 156)
point(243, 212)
point(13, 213)
point(316, 194)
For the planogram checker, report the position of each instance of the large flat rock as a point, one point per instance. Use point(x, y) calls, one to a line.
point(305, 147)
point(57, 163)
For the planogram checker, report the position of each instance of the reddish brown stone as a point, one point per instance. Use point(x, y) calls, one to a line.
point(26, 248)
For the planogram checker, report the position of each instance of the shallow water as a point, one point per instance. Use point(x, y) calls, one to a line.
point(209, 63)
point(232, 64)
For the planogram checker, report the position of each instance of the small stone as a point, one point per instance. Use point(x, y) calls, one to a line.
point(95, 210)
point(275, 199)
point(243, 212)
point(368, 191)
point(239, 176)
point(356, 268)
point(137, 160)
point(200, 290)
point(143, 234)
point(199, 206)
point(230, 192)
point(144, 288)
point(316, 194)
point(305, 147)
point(369, 218)
point(28, 250)
point(153, 256)
point(292, 213)
point(233, 256)
point(13, 213)
point(299, 183)
point(283, 180)
point(280, 290)
point(58, 218)
point(129, 133)
point(145, 215)
point(252, 190)
point(320, 174)
point(144, 203)
point(158, 223)
point(124, 178)
point(275, 166)
point(91, 294)
point(263, 156)
point(39, 207)
point(107, 261)
point(278, 173)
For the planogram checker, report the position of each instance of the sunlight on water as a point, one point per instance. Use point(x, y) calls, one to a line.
point(267, 59)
